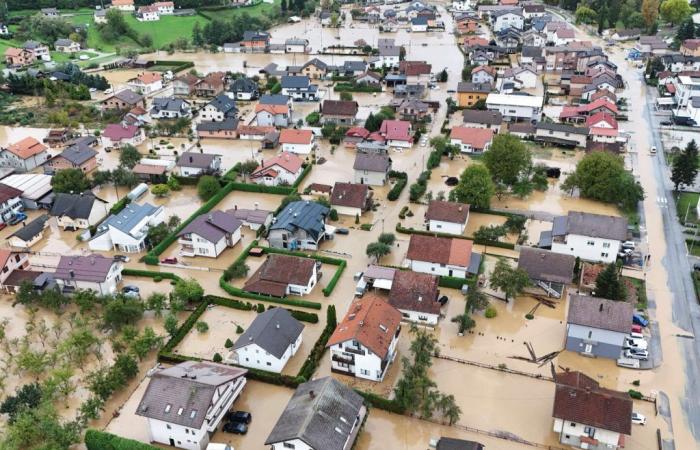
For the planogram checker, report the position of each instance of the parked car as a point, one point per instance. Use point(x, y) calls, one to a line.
point(3, 226)
point(235, 428)
point(168, 261)
point(636, 354)
point(122, 258)
point(638, 418)
point(696, 266)
point(636, 334)
point(239, 417)
point(17, 218)
point(640, 320)
point(628, 244)
point(638, 344)
point(653, 150)
point(666, 123)
point(342, 231)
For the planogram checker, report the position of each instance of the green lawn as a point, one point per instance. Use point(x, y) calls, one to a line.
point(687, 202)
point(168, 29)
point(255, 11)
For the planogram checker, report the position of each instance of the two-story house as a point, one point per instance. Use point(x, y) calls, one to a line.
point(78, 211)
point(10, 202)
point(351, 199)
point(116, 135)
point(244, 89)
point(255, 41)
point(561, 134)
point(270, 115)
point(471, 140)
point(372, 169)
point(126, 231)
point(446, 217)
point(39, 50)
point(516, 107)
point(364, 343)
point(548, 271)
point(441, 256)
point(146, 83)
point(299, 88)
point(415, 295)
point(24, 155)
point(283, 169)
point(300, 142)
point(77, 156)
point(269, 341)
point(219, 108)
point(95, 272)
point(186, 403)
point(125, 99)
point(339, 112)
point(301, 225)
point(512, 18)
point(170, 108)
point(12, 270)
point(474, 118)
point(282, 275)
point(210, 234)
point(194, 164)
point(591, 237)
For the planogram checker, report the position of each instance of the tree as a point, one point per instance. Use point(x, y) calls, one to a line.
point(156, 302)
point(146, 40)
point(129, 156)
point(283, 6)
point(40, 428)
point(685, 166)
point(201, 326)
point(509, 280)
point(675, 11)
point(442, 76)
point(507, 159)
point(585, 15)
point(464, 322)
point(377, 250)
point(170, 324)
point(160, 190)
point(197, 37)
point(122, 310)
point(188, 291)
point(239, 269)
point(247, 167)
point(387, 238)
point(609, 285)
point(490, 232)
point(686, 30)
point(228, 343)
point(346, 96)
point(313, 118)
point(173, 184)
point(207, 187)
point(475, 187)
point(145, 342)
point(26, 397)
point(602, 176)
point(70, 180)
point(650, 12)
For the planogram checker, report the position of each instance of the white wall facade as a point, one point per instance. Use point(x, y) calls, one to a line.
point(303, 289)
point(255, 357)
point(211, 113)
point(441, 226)
point(437, 269)
point(571, 432)
point(370, 177)
point(420, 318)
point(508, 21)
point(588, 248)
point(348, 210)
point(295, 444)
point(299, 149)
point(367, 365)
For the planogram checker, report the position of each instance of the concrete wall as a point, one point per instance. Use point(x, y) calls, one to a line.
point(587, 248)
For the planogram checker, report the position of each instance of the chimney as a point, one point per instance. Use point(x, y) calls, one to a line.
point(235, 207)
point(420, 298)
point(277, 325)
point(600, 308)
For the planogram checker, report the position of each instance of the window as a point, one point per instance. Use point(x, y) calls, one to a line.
point(192, 414)
point(603, 255)
point(179, 411)
point(269, 363)
point(590, 334)
point(288, 445)
point(606, 244)
point(590, 243)
point(167, 425)
point(364, 372)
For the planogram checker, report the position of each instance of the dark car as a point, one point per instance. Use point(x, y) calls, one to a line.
point(443, 300)
point(666, 123)
point(452, 181)
point(17, 218)
point(553, 172)
point(168, 261)
point(235, 428)
point(122, 258)
point(239, 417)
point(342, 231)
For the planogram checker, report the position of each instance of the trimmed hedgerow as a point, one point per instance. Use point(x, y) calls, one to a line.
point(312, 361)
point(150, 274)
point(101, 440)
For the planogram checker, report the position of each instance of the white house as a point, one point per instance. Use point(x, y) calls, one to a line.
point(170, 108)
point(282, 275)
point(364, 343)
point(78, 211)
point(219, 108)
point(269, 342)
point(210, 234)
point(415, 295)
point(461, 5)
point(588, 416)
point(193, 164)
point(351, 199)
point(148, 13)
point(446, 217)
point(24, 155)
point(10, 202)
point(441, 256)
point(116, 135)
point(300, 225)
point(471, 140)
point(299, 88)
point(268, 115)
point(165, 8)
point(323, 414)
point(516, 107)
point(95, 272)
point(186, 403)
point(146, 83)
point(397, 133)
point(371, 169)
point(561, 134)
point(296, 45)
point(9, 263)
point(126, 230)
point(512, 18)
point(591, 237)
point(283, 169)
point(39, 50)
point(300, 142)
point(483, 75)
point(597, 327)
point(522, 77)
point(66, 46)
point(123, 5)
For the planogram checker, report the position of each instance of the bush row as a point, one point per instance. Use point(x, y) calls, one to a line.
point(186, 181)
point(177, 65)
point(380, 402)
point(152, 256)
point(100, 440)
point(120, 205)
point(453, 282)
point(350, 87)
point(401, 182)
point(184, 329)
point(150, 274)
point(238, 292)
point(319, 348)
point(401, 229)
point(261, 188)
point(302, 175)
point(328, 290)
point(301, 316)
point(321, 258)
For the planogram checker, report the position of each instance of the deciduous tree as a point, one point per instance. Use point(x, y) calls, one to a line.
point(685, 166)
point(675, 11)
point(508, 279)
point(650, 12)
point(507, 159)
point(475, 187)
point(70, 180)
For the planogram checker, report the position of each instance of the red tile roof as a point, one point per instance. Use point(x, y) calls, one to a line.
point(117, 132)
point(478, 138)
point(26, 148)
point(288, 161)
point(414, 68)
point(440, 250)
point(447, 211)
point(357, 132)
point(350, 194)
point(371, 321)
point(601, 117)
point(396, 130)
point(149, 77)
point(413, 291)
point(272, 109)
point(289, 136)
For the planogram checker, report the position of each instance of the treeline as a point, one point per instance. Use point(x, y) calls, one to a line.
point(77, 88)
point(16, 5)
point(219, 32)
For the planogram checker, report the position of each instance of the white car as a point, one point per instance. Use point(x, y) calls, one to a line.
point(653, 150)
point(93, 89)
point(108, 91)
point(628, 244)
point(639, 344)
point(83, 57)
point(636, 354)
point(634, 335)
point(638, 418)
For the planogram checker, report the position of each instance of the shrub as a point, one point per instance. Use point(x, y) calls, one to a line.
point(260, 308)
point(529, 316)
point(366, 227)
point(239, 330)
point(100, 440)
point(157, 279)
point(490, 312)
point(229, 343)
point(319, 348)
point(635, 394)
point(202, 327)
point(333, 214)
point(635, 382)
point(207, 187)
point(217, 358)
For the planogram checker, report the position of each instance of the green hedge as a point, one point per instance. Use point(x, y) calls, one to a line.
point(302, 175)
point(349, 87)
point(100, 440)
point(152, 256)
point(186, 181)
point(319, 348)
point(396, 190)
point(261, 188)
point(150, 274)
point(178, 65)
point(380, 402)
point(184, 328)
point(120, 205)
point(328, 290)
point(301, 316)
point(401, 229)
point(238, 292)
point(453, 282)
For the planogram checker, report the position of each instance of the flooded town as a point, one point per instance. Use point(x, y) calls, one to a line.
point(335, 225)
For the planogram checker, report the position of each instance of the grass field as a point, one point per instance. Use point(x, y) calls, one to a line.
point(168, 29)
point(686, 202)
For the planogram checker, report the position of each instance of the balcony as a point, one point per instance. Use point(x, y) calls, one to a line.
point(354, 350)
point(339, 358)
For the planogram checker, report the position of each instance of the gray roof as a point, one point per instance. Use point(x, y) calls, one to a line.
point(316, 62)
point(372, 162)
point(591, 225)
point(530, 51)
point(294, 81)
point(63, 42)
point(296, 41)
point(75, 206)
point(463, 86)
point(563, 128)
point(30, 45)
point(129, 217)
point(390, 51)
point(243, 84)
point(212, 226)
point(32, 229)
point(228, 124)
point(168, 104)
point(191, 386)
point(257, 216)
point(547, 266)
point(600, 313)
point(194, 159)
point(273, 331)
point(128, 96)
point(91, 268)
point(256, 36)
point(305, 215)
point(482, 117)
point(78, 154)
point(273, 99)
point(446, 443)
point(321, 413)
point(225, 104)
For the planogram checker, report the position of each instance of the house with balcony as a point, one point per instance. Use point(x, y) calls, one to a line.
point(125, 99)
point(10, 202)
point(13, 270)
point(127, 230)
point(591, 237)
point(95, 272)
point(364, 343)
point(39, 50)
point(301, 225)
point(195, 164)
point(299, 88)
point(281, 275)
point(210, 234)
point(415, 295)
point(269, 342)
point(219, 108)
point(588, 416)
point(170, 108)
point(146, 83)
point(186, 403)
point(255, 41)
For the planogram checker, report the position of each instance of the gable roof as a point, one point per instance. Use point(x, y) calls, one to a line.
point(91, 268)
point(78, 154)
point(195, 159)
point(600, 313)
point(127, 96)
point(212, 226)
point(295, 81)
point(304, 215)
point(371, 321)
point(413, 291)
point(484, 117)
point(349, 194)
point(273, 99)
point(447, 211)
point(278, 271)
point(32, 229)
point(291, 136)
point(446, 443)
point(481, 88)
point(321, 413)
point(224, 103)
point(183, 393)
point(168, 104)
point(545, 265)
point(456, 252)
point(26, 148)
point(75, 206)
point(372, 162)
point(118, 131)
point(288, 161)
point(8, 193)
point(273, 331)
point(339, 108)
point(478, 138)
point(592, 225)
point(396, 130)
point(228, 124)
point(578, 398)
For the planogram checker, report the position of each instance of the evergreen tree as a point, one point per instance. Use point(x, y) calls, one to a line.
point(197, 36)
point(685, 166)
point(609, 285)
point(686, 30)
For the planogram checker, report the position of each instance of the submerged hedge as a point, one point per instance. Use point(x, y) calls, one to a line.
point(101, 440)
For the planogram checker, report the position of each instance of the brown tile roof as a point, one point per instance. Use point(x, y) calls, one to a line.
point(288, 161)
point(578, 398)
point(289, 136)
point(414, 291)
point(272, 109)
point(349, 194)
point(440, 250)
point(447, 211)
point(371, 321)
point(600, 313)
point(148, 169)
point(149, 77)
point(339, 108)
point(413, 68)
point(478, 138)
point(547, 266)
point(26, 148)
point(319, 187)
point(372, 162)
point(277, 272)
point(8, 192)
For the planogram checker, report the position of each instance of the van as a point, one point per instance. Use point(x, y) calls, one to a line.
point(653, 150)
point(361, 287)
point(628, 362)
